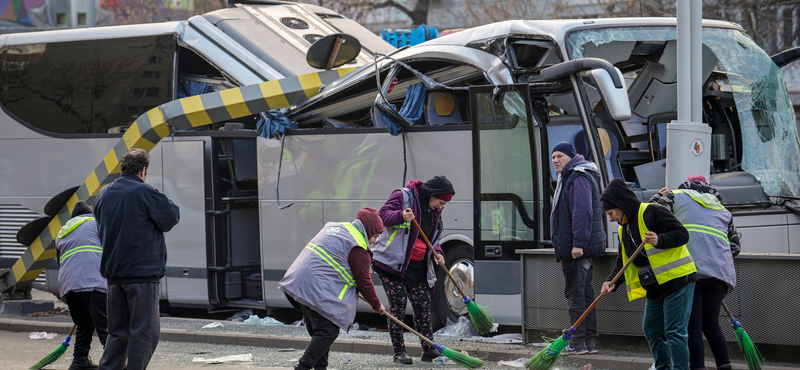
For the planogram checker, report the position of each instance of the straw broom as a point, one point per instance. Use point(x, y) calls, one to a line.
point(55, 355)
point(546, 358)
point(460, 358)
point(480, 318)
point(751, 354)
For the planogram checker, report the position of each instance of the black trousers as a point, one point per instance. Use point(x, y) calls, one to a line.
point(323, 333)
point(580, 295)
point(708, 295)
point(134, 325)
point(88, 311)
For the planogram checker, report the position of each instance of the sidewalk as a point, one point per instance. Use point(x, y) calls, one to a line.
point(357, 341)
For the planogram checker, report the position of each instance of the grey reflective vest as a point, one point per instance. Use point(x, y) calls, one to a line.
point(79, 254)
point(707, 221)
point(321, 277)
point(390, 249)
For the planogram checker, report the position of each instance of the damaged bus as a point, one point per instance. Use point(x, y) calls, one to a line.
point(491, 103)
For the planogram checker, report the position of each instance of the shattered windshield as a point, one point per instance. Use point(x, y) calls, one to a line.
point(770, 144)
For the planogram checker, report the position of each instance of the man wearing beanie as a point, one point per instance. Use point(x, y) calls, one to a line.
point(578, 234)
point(404, 262)
point(80, 284)
point(326, 278)
point(664, 273)
point(713, 243)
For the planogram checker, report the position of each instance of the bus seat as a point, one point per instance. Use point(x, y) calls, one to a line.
point(610, 150)
point(441, 107)
point(336, 123)
point(657, 124)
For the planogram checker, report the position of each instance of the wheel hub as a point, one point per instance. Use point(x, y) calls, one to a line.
point(463, 272)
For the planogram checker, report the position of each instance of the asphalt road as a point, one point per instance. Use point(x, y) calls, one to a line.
point(17, 351)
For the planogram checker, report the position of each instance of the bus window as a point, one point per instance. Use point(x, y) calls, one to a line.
point(86, 87)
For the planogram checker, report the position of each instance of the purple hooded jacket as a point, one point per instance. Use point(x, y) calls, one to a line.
point(392, 215)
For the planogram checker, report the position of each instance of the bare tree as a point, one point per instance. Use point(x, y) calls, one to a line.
point(370, 11)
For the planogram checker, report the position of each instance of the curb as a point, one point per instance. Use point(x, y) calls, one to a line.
point(357, 346)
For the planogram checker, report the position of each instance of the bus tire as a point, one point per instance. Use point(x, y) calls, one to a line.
point(447, 304)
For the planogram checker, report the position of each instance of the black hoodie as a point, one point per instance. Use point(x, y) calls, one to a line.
point(671, 234)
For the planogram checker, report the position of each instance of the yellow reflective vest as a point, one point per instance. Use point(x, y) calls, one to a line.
point(667, 263)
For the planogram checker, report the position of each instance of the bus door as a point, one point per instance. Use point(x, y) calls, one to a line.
point(507, 193)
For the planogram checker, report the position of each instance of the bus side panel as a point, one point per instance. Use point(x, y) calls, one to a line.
point(330, 176)
point(183, 178)
point(755, 228)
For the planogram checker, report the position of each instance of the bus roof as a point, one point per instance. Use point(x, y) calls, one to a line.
point(557, 29)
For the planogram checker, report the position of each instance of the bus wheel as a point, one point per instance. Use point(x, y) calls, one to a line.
point(447, 302)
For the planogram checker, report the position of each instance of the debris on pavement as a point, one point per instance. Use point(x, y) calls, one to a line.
point(215, 324)
point(241, 315)
point(254, 320)
point(520, 362)
point(42, 335)
point(588, 366)
point(243, 357)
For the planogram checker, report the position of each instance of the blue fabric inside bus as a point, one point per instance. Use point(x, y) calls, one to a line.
point(411, 110)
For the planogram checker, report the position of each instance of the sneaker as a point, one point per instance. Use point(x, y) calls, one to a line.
point(578, 349)
point(592, 348)
point(429, 356)
point(402, 358)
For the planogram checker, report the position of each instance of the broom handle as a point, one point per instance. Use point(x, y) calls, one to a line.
point(613, 281)
point(428, 242)
point(730, 315)
point(403, 324)
point(75, 326)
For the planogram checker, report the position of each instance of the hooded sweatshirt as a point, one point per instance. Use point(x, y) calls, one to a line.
point(671, 234)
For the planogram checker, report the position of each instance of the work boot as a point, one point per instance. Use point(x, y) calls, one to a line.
point(725, 367)
point(82, 363)
point(429, 356)
point(402, 357)
point(592, 348)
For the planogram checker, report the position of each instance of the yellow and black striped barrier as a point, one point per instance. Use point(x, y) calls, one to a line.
point(145, 133)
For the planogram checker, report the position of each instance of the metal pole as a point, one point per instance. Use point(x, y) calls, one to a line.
point(684, 61)
point(696, 84)
point(688, 139)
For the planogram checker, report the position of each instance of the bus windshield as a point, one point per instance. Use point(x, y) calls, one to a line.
point(767, 133)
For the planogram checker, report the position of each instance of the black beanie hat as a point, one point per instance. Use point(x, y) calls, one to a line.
point(438, 185)
point(565, 147)
point(81, 208)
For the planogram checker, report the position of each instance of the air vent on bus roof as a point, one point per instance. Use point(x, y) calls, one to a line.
point(294, 23)
point(312, 37)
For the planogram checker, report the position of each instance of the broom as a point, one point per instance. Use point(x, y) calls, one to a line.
point(460, 358)
point(749, 350)
point(480, 318)
point(546, 358)
point(55, 355)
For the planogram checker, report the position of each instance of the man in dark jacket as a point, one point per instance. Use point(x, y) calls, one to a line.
point(132, 218)
point(578, 234)
point(664, 272)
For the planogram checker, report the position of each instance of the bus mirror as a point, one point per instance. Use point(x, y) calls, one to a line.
point(616, 98)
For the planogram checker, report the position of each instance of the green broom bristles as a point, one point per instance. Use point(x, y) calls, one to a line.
point(462, 359)
point(55, 355)
point(480, 317)
point(751, 354)
point(547, 357)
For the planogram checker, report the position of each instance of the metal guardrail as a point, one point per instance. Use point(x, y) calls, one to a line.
point(765, 300)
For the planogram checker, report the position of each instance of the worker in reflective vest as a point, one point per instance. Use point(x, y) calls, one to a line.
point(326, 278)
point(713, 243)
point(664, 273)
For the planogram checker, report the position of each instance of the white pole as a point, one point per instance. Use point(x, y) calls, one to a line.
point(688, 139)
point(696, 39)
point(684, 61)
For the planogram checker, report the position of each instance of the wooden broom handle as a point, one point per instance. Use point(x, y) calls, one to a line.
point(428, 242)
point(730, 314)
point(613, 281)
point(403, 324)
point(73, 330)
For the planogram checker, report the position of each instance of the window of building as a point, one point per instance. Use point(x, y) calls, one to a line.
point(82, 19)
